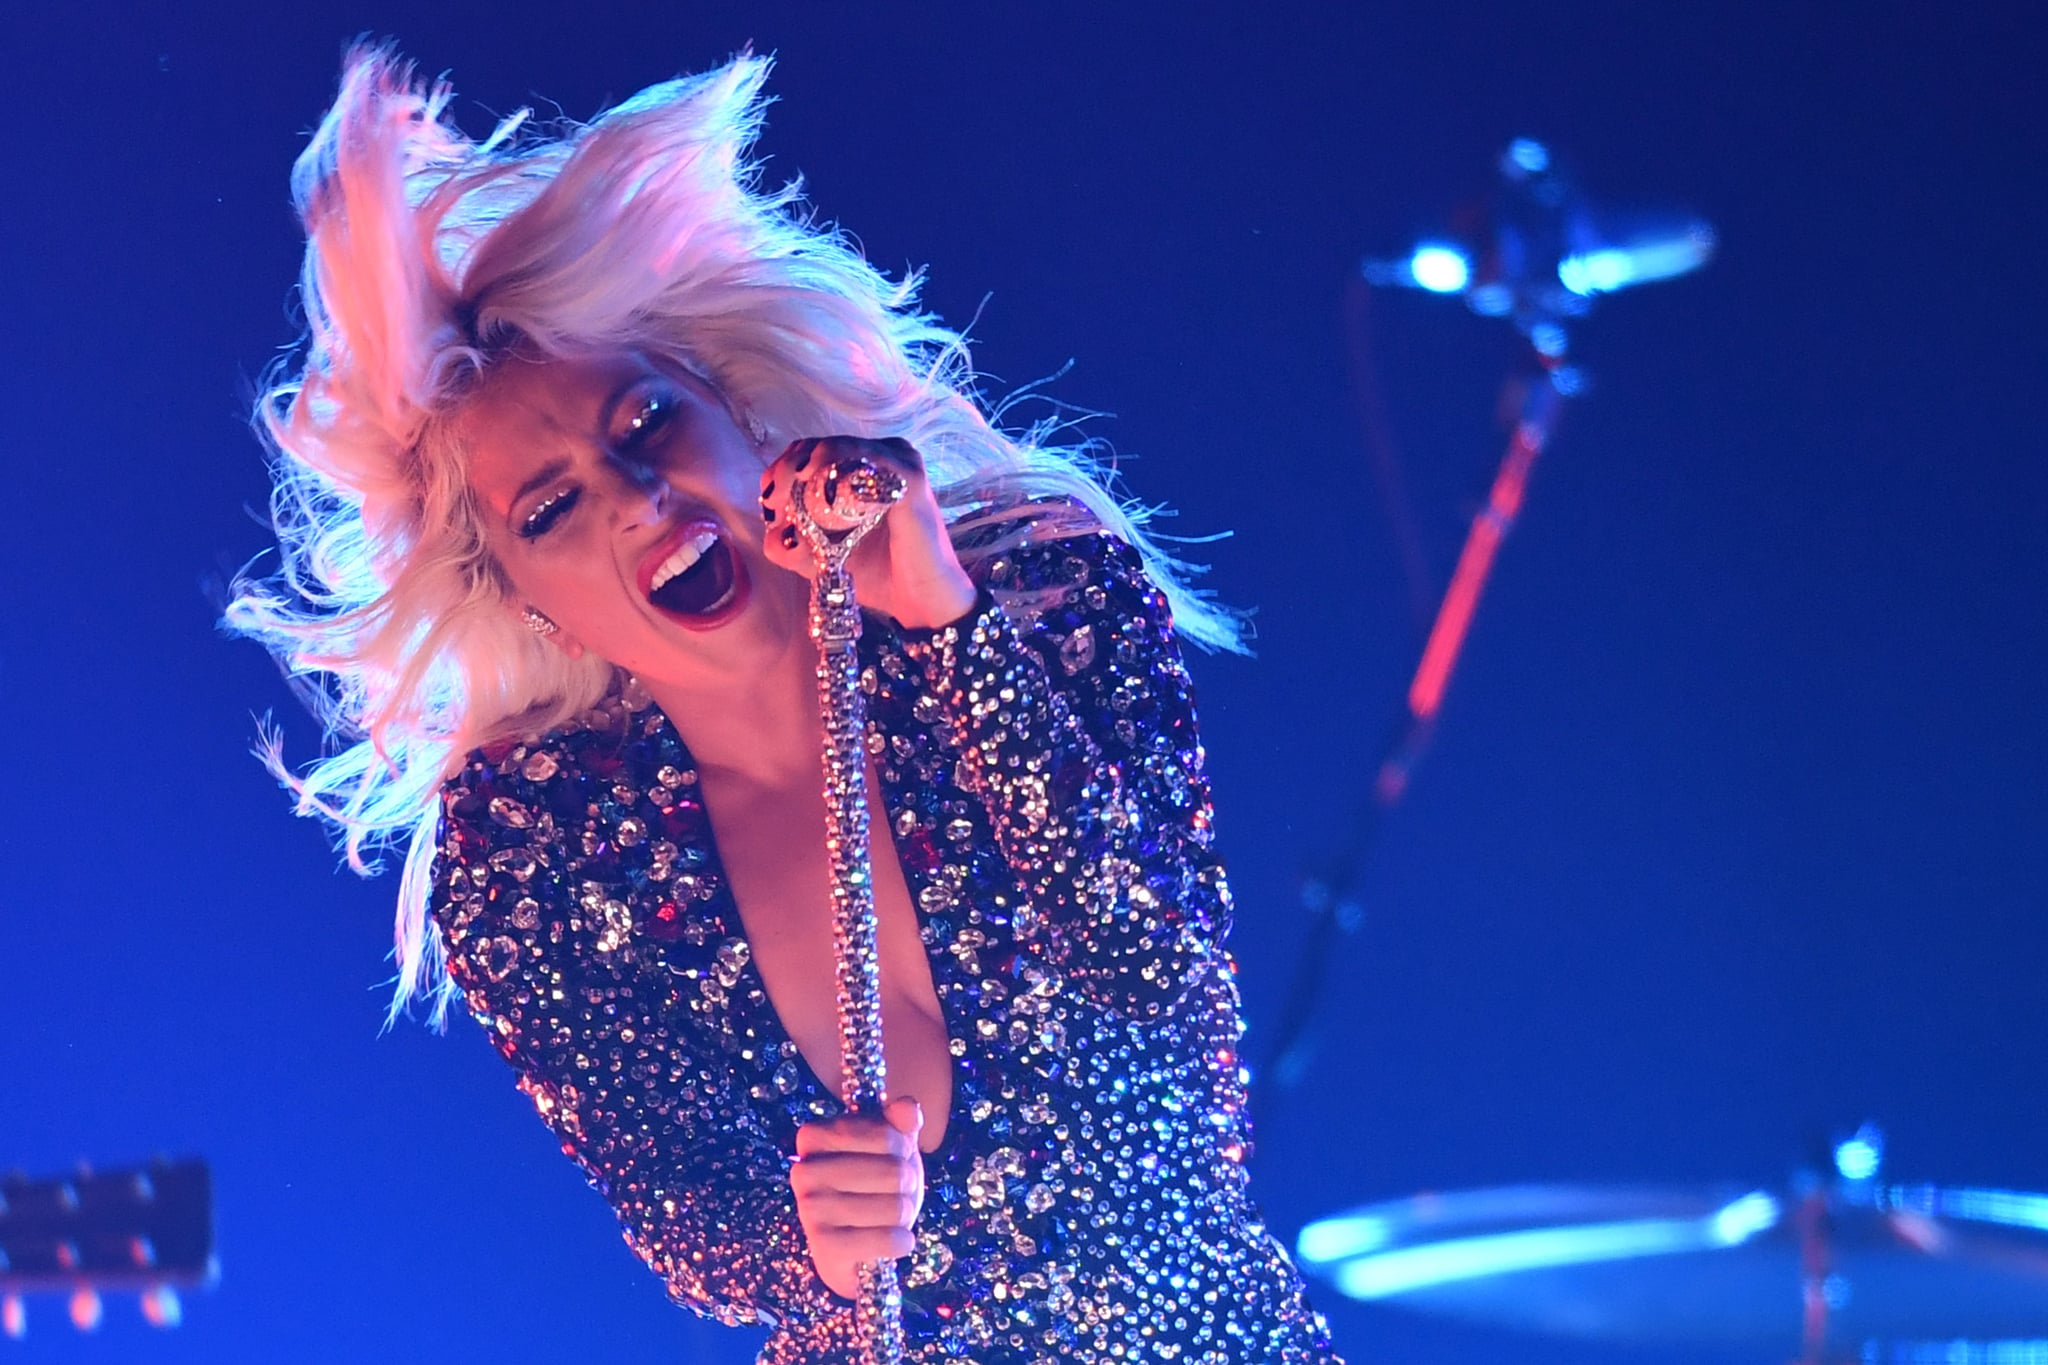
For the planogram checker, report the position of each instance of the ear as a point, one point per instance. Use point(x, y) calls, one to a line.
point(567, 643)
point(543, 625)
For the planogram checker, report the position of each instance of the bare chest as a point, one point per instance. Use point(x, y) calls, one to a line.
point(773, 848)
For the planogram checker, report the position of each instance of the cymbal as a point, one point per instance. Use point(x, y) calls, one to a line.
point(1708, 1266)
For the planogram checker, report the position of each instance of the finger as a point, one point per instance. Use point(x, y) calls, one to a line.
point(781, 541)
point(795, 459)
point(867, 1244)
point(845, 1212)
point(851, 1135)
point(785, 546)
point(895, 453)
point(858, 1173)
point(848, 1133)
point(785, 467)
point(905, 1115)
point(905, 453)
point(896, 1151)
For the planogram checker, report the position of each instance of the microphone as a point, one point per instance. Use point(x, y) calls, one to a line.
point(847, 494)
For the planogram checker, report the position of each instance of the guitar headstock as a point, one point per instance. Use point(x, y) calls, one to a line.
point(146, 1230)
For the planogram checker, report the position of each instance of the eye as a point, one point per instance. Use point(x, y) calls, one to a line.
point(647, 414)
point(552, 509)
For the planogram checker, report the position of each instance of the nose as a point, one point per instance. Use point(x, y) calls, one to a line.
point(642, 495)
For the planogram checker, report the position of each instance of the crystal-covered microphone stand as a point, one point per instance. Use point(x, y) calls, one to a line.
point(834, 506)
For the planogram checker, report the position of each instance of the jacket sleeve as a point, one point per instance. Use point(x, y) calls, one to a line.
point(701, 1189)
point(1078, 736)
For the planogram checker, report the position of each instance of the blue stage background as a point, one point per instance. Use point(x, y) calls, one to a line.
point(1734, 835)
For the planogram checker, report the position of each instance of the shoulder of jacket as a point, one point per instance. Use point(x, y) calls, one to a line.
point(508, 785)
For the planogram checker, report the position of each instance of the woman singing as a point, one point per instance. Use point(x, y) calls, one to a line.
point(532, 495)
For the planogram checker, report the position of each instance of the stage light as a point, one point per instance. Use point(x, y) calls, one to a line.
point(2010, 1208)
point(1745, 1218)
point(1335, 1239)
point(1856, 1159)
point(1357, 1250)
point(1529, 155)
point(1596, 272)
point(1440, 269)
point(1408, 1269)
point(1640, 249)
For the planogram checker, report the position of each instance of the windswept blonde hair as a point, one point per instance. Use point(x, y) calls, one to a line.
point(429, 257)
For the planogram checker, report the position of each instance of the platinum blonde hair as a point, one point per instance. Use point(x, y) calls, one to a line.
point(429, 257)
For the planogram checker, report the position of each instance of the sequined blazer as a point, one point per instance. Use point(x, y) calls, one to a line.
point(1042, 778)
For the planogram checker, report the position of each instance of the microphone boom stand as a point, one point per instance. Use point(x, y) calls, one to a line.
point(1538, 256)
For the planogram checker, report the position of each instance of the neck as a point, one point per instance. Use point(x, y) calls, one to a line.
point(762, 731)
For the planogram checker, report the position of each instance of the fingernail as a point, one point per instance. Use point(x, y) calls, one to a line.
point(767, 490)
point(768, 515)
point(789, 537)
point(803, 461)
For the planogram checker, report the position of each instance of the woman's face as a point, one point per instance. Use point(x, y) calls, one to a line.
point(622, 500)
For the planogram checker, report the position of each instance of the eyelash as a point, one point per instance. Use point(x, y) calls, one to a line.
point(542, 519)
point(656, 410)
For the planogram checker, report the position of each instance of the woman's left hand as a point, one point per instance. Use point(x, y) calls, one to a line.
point(905, 567)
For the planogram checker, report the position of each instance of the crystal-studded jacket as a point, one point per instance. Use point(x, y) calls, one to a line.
point(1042, 778)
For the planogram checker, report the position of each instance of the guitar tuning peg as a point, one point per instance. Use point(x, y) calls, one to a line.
point(86, 1310)
point(160, 1305)
point(13, 1317)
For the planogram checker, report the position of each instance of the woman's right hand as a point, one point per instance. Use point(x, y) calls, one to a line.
point(859, 1183)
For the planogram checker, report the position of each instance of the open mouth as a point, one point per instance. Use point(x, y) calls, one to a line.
point(699, 581)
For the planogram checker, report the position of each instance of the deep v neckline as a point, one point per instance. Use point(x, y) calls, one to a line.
point(778, 1037)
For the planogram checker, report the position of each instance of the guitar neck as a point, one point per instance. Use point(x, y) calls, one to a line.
point(140, 1228)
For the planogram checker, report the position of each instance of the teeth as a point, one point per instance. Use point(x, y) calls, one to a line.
point(688, 553)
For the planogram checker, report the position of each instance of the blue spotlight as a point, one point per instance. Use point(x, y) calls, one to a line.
point(1367, 1256)
point(1337, 1239)
point(1540, 253)
point(1529, 155)
point(1859, 1156)
point(1736, 1223)
point(1635, 253)
point(1595, 272)
point(1856, 1159)
point(1440, 269)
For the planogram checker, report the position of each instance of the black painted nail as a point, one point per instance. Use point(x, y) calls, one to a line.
point(768, 490)
point(768, 515)
point(803, 461)
point(789, 537)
